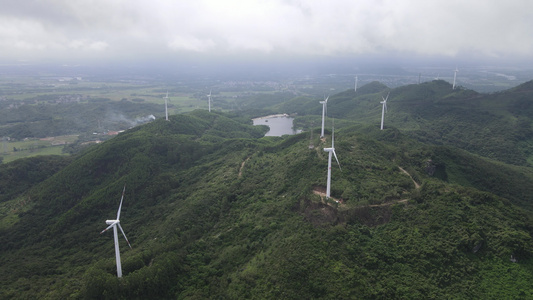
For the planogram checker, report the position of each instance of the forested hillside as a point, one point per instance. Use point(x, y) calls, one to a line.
point(496, 126)
point(215, 210)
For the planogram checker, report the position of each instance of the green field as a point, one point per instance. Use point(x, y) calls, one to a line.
point(11, 151)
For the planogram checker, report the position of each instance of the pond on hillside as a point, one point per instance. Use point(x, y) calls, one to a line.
point(279, 124)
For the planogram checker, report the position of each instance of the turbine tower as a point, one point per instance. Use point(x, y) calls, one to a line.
point(115, 224)
point(166, 107)
point(331, 151)
point(311, 145)
point(383, 109)
point(209, 100)
point(324, 111)
point(454, 76)
point(355, 89)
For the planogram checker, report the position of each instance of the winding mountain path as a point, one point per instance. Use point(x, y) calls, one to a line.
point(417, 186)
point(388, 203)
point(340, 202)
point(242, 166)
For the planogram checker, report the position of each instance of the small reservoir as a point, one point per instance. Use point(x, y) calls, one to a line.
point(279, 124)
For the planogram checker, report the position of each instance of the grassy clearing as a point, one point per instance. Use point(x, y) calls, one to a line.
point(11, 151)
point(9, 211)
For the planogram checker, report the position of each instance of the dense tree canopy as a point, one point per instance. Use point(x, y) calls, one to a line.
point(215, 210)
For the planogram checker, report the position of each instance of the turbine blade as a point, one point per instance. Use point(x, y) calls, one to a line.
point(385, 106)
point(120, 206)
point(124, 235)
point(108, 227)
point(335, 154)
point(387, 97)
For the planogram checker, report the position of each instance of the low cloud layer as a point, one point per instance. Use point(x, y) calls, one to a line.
point(121, 29)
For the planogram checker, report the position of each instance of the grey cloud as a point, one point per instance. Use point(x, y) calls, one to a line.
point(108, 29)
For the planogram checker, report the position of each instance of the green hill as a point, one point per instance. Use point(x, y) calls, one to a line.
point(496, 126)
point(213, 210)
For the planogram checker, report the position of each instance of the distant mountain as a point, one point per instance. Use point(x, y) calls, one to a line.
point(524, 87)
point(497, 126)
point(214, 210)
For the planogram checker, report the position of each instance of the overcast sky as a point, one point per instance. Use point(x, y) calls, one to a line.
point(81, 30)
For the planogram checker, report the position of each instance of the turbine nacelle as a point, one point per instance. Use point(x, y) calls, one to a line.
point(331, 152)
point(384, 104)
point(385, 98)
point(384, 109)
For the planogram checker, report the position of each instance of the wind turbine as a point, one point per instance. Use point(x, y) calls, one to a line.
point(115, 224)
point(166, 107)
point(209, 100)
point(311, 145)
point(324, 111)
point(355, 89)
point(383, 109)
point(331, 151)
point(454, 76)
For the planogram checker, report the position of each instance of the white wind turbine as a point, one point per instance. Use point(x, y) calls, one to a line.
point(383, 109)
point(209, 100)
point(166, 107)
point(324, 111)
point(115, 224)
point(331, 151)
point(355, 89)
point(454, 76)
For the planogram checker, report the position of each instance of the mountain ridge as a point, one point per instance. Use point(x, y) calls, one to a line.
point(213, 209)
